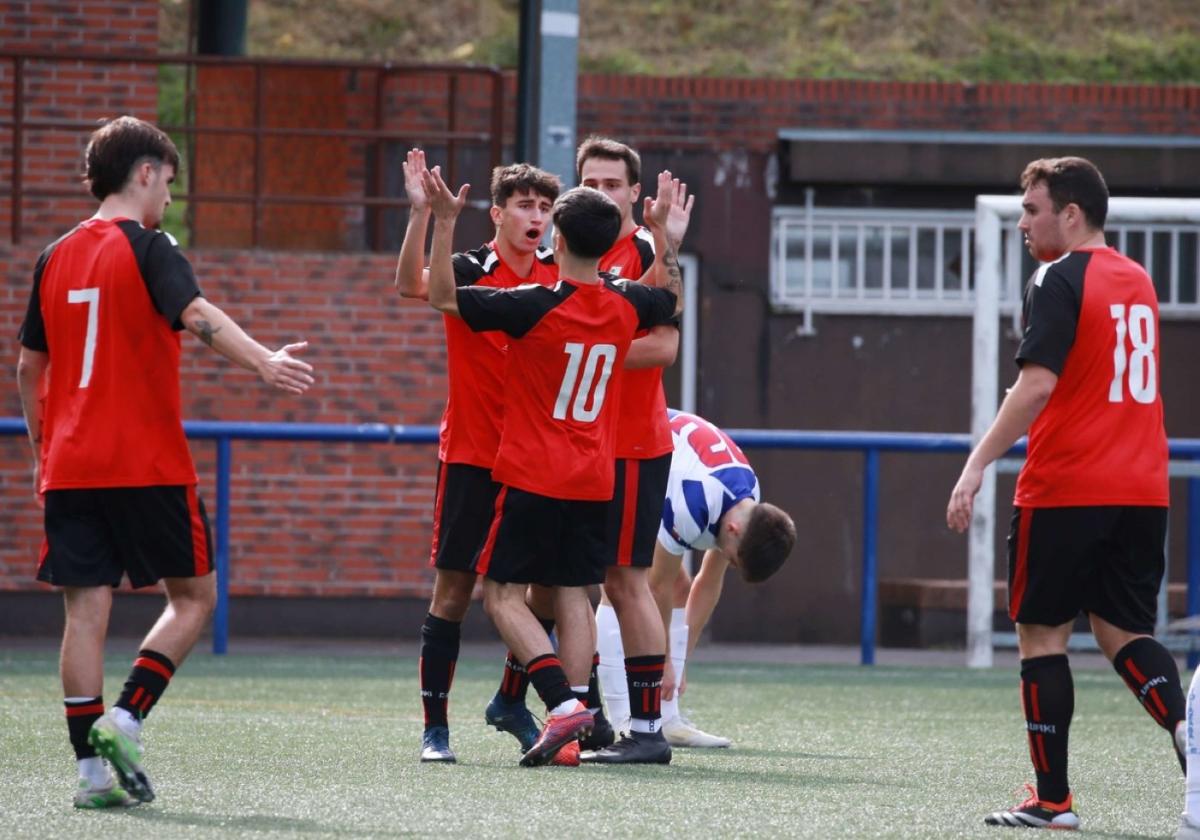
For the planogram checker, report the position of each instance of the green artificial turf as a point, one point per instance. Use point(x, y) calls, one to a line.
point(286, 745)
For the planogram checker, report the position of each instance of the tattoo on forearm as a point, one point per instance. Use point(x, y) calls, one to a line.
point(674, 276)
point(205, 330)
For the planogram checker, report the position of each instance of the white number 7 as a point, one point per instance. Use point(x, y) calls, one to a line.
point(92, 298)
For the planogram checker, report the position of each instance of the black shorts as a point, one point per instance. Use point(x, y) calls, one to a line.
point(537, 539)
point(96, 535)
point(1106, 561)
point(635, 511)
point(462, 513)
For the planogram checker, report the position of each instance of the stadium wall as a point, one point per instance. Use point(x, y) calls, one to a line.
point(348, 526)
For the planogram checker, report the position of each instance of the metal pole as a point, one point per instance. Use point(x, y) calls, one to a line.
point(528, 70)
point(18, 143)
point(221, 613)
point(870, 568)
point(1193, 556)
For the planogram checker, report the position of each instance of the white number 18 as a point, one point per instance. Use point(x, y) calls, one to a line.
point(1143, 375)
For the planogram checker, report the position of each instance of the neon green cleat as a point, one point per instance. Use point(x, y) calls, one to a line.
point(124, 753)
point(108, 795)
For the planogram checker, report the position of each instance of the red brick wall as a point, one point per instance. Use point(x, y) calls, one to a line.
point(65, 90)
point(308, 518)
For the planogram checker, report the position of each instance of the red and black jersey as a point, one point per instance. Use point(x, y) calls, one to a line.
point(470, 431)
point(642, 428)
point(105, 305)
point(1092, 318)
point(564, 376)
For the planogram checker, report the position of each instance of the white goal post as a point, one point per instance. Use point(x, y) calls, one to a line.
point(992, 214)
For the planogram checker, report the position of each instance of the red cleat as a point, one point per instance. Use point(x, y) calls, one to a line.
point(557, 733)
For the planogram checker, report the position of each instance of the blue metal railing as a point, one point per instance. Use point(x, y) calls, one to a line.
point(871, 444)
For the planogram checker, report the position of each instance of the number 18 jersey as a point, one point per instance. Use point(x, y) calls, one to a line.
point(709, 475)
point(1092, 318)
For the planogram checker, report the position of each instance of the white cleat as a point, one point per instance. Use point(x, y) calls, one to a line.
point(1188, 830)
point(680, 732)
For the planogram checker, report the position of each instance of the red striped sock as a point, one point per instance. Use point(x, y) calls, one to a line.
point(147, 681)
point(1048, 698)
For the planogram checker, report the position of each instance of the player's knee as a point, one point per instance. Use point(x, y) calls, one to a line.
point(195, 595)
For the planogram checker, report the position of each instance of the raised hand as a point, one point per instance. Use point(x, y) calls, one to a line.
point(446, 205)
point(657, 210)
point(414, 187)
point(681, 214)
point(287, 373)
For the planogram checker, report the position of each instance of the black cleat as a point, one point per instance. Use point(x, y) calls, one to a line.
point(633, 748)
point(601, 736)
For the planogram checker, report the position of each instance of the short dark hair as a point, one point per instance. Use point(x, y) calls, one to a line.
point(766, 542)
point(523, 178)
point(1071, 180)
point(119, 145)
point(587, 220)
point(606, 148)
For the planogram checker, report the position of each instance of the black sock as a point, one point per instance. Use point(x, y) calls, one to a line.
point(593, 693)
point(81, 714)
point(147, 681)
point(549, 680)
point(644, 675)
point(1048, 698)
point(439, 655)
point(514, 684)
point(1152, 675)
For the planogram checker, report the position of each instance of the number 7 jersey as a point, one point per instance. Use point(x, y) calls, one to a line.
point(1091, 317)
point(709, 475)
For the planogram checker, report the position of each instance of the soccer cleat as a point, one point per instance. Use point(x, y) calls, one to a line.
point(108, 795)
point(513, 718)
point(1034, 813)
point(435, 745)
point(680, 732)
point(1188, 830)
point(568, 756)
point(124, 752)
point(558, 731)
point(634, 748)
point(601, 736)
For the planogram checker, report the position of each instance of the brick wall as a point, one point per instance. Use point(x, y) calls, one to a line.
point(340, 519)
point(60, 89)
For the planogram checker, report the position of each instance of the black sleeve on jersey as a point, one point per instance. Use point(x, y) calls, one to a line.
point(1051, 313)
point(654, 306)
point(165, 270)
point(645, 251)
point(468, 267)
point(514, 311)
point(33, 330)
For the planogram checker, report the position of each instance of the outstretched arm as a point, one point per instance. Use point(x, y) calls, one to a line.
point(665, 272)
point(412, 278)
point(31, 369)
point(706, 591)
point(446, 207)
point(279, 369)
point(1020, 408)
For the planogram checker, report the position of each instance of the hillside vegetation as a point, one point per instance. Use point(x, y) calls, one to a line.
point(947, 40)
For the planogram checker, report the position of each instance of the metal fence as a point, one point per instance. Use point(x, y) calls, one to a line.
point(868, 444)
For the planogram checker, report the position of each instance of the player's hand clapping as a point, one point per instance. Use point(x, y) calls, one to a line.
point(414, 184)
point(446, 205)
point(657, 210)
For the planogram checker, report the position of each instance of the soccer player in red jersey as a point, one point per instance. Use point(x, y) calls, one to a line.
point(99, 379)
point(1090, 513)
point(556, 457)
point(643, 454)
point(470, 433)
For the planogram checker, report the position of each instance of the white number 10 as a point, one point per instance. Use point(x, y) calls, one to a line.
point(593, 383)
point(92, 298)
point(1143, 375)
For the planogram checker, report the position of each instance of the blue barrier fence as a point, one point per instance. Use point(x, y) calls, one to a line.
point(870, 444)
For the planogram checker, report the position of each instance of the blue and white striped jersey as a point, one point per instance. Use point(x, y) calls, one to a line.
point(709, 475)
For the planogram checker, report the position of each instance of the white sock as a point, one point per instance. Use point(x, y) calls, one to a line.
point(566, 707)
point(678, 652)
point(93, 770)
point(1192, 800)
point(129, 724)
point(611, 670)
point(644, 725)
